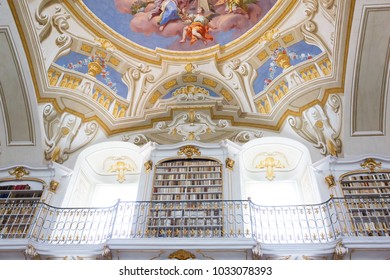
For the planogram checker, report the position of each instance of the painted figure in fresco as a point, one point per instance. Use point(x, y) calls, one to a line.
point(198, 29)
point(169, 12)
point(234, 6)
point(156, 11)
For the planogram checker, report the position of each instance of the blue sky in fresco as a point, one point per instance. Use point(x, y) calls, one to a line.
point(114, 76)
point(229, 28)
point(107, 12)
point(301, 49)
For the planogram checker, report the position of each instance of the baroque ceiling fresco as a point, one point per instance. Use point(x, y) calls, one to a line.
point(177, 70)
point(161, 23)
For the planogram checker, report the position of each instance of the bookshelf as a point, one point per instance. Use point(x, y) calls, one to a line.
point(17, 207)
point(186, 199)
point(367, 195)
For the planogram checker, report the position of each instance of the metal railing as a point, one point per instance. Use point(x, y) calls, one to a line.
point(316, 223)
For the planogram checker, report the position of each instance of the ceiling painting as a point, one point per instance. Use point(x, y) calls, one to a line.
point(106, 74)
point(272, 68)
point(180, 25)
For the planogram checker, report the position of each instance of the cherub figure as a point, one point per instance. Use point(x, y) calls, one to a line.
point(198, 28)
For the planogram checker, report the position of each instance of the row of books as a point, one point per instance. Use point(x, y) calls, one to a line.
point(369, 177)
point(372, 184)
point(188, 176)
point(170, 169)
point(369, 191)
point(161, 189)
point(18, 221)
point(188, 183)
point(181, 197)
point(15, 187)
point(377, 214)
point(178, 163)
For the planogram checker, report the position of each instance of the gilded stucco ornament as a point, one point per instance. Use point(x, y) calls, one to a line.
point(191, 92)
point(65, 134)
point(229, 163)
point(257, 252)
point(321, 126)
point(106, 44)
point(31, 253)
point(19, 172)
point(148, 166)
point(189, 151)
point(269, 36)
point(371, 164)
point(270, 162)
point(53, 186)
point(181, 255)
point(120, 167)
point(330, 180)
point(339, 251)
point(191, 125)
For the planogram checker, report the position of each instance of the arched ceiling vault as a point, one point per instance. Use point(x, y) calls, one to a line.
point(292, 59)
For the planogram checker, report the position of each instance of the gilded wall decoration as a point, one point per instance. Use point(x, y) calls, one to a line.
point(191, 125)
point(19, 172)
point(270, 162)
point(371, 164)
point(189, 151)
point(182, 255)
point(120, 167)
point(65, 134)
point(321, 126)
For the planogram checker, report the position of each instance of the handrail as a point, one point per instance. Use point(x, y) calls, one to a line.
point(284, 224)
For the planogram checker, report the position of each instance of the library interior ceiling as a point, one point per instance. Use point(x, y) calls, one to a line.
point(316, 71)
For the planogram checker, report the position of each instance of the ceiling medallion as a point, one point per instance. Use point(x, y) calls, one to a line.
point(189, 151)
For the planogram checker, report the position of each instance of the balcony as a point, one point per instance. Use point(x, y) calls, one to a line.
point(188, 222)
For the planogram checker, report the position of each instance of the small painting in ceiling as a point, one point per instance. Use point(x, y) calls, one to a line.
point(271, 69)
point(181, 25)
point(107, 75)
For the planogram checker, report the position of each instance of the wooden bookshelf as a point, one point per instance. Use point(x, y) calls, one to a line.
point(367, 195)
point(17, 207)
point(186, 198)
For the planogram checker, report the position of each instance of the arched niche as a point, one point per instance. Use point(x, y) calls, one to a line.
point(103, 174)
point(277, 171)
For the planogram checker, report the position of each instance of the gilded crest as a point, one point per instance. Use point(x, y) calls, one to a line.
point(19, 172)
point(189, 151)
point(181, 255)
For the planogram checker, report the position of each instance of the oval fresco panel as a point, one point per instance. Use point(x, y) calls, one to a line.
point(180, 25)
